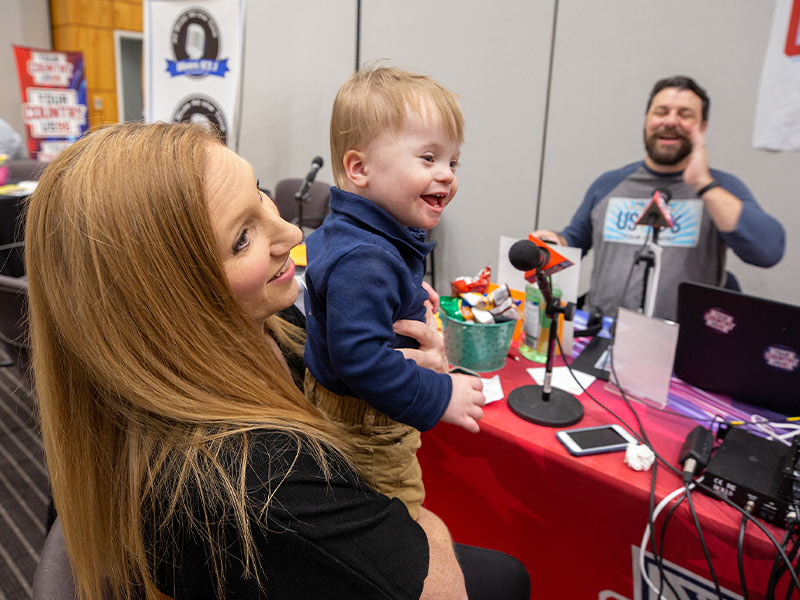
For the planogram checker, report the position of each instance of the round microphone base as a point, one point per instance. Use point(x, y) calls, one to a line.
point(562, 409)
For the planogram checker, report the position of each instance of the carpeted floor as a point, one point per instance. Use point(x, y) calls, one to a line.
point(23, 487)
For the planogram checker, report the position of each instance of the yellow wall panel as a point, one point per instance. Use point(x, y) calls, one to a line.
point(88, 26)
point(102, 107)
point(128, 16)
point(97, 46)
point(59, 12)
point(81, 12)
point(64, 38)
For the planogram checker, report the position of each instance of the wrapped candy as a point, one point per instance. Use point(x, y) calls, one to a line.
point(476, 300)
point(479, 284)
point(451, 307)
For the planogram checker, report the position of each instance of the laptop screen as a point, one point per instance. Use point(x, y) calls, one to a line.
point(740, 345)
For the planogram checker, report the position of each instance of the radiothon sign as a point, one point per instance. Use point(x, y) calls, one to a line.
point(53, 91)
point(193, 70)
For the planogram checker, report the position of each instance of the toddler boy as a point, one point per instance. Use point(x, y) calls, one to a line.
point(395, 143)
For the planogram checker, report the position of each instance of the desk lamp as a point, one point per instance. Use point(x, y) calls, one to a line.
point(544, 404)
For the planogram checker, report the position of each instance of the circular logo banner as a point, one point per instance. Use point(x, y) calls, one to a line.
point(202, 109)
point(195, 45)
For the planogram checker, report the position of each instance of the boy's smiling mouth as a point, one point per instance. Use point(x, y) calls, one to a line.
point(435, 200)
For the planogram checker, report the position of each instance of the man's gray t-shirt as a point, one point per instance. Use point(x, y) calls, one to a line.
point(693, 249)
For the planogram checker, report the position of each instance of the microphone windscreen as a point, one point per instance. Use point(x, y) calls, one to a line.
point(665, 194)
point(317, 162)
point(524, 255)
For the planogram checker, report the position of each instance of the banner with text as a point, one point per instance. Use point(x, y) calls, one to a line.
point(53, 90)
point(777, 123)
point(193, 62)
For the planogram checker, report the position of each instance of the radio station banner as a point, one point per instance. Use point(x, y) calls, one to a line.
point(777, 123)
point(193, 62)
point(53, 90)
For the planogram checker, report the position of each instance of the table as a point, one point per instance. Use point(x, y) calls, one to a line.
point(577, 523)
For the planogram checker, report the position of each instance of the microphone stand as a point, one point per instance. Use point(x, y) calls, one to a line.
point(301, 197)
point(651, 257)
point(544, 404)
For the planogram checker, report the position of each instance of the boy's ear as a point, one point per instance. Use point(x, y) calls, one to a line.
point(355, 168)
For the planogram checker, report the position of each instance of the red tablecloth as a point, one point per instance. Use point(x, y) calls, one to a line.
point(577, 522)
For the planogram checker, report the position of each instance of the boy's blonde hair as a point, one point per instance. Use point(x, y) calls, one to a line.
point(375, 100)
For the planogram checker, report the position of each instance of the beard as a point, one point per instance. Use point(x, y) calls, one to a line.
point(666, 156)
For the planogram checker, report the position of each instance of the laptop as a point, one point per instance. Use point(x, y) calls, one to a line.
point(740, 345)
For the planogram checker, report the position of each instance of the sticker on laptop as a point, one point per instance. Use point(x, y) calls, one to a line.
point(718, 320)
point(781, 357)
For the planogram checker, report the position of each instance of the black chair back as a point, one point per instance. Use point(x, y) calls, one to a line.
point(314, 210)
point(14, 321)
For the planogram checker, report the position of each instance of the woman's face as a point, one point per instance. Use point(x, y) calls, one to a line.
point(251, 238)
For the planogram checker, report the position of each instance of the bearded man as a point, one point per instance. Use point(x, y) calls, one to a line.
point(712, 210)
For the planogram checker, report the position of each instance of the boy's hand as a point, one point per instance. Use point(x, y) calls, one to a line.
point(466, 400)
point(432, 296)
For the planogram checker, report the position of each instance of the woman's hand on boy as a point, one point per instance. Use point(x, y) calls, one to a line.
point(430, 354)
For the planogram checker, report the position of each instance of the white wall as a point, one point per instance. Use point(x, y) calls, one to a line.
point(24, 23)
point(297, 54)
point(495, 56)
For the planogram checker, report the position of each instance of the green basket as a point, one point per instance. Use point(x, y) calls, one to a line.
point(475, 346)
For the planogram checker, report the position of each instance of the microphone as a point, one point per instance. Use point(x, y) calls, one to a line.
point(665, 193)
point(524, 255)
point(544, 404)
point(534, 255)
point(316, 165)
point(657, 213)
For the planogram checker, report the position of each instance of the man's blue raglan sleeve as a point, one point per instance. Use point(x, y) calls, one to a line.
point(759, 239)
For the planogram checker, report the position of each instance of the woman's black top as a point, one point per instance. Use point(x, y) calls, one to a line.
point(319, 538)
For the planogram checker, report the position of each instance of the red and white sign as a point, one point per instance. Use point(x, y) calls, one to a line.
point(53, 91)
point(777, 123)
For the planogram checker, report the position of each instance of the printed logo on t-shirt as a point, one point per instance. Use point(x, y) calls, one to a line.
point(781, 357)
point(622, 213)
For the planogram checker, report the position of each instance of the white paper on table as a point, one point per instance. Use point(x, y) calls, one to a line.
point(492, 389)
point(562, 379)
point(644, 351)
point(506, 273)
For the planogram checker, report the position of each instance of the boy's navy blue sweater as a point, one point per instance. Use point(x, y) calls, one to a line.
point(364, 273)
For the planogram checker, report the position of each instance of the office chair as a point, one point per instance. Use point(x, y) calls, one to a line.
point(13, 322)
point(52, 579)
point(731, 282)
point(314, 210)
point(25, 169)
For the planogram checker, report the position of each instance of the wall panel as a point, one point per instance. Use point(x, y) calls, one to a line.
point(24, 23)
point(127, 15)
point(297, 55)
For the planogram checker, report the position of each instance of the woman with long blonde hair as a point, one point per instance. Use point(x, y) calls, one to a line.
point(183, 458)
